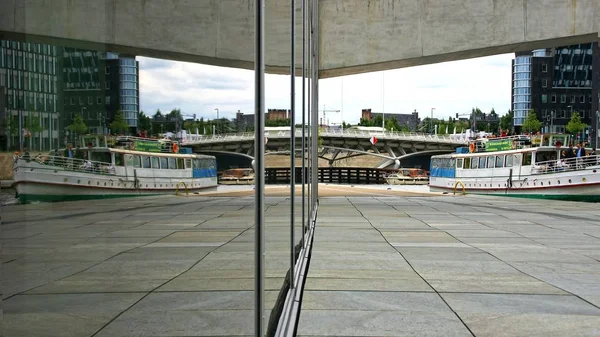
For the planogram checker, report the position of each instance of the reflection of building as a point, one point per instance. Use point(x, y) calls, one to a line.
point(275, 114)
point(97, 85)
point(28, 82)
point(554, 82)
point(410, 120)
point(244, 122)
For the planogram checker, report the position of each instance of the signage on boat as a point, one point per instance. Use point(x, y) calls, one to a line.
point(498, 145)
point(373, 140)
point(147, 146)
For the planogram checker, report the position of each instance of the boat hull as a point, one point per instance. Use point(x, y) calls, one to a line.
point(35, 182)
point(47, 192)
point(581, 185)
point(396, 181)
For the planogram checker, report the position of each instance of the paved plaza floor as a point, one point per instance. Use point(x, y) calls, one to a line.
point(149, 266)
point(381, 265)
point(453, 266)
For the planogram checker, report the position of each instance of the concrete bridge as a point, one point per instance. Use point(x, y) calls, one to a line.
point(392, 147)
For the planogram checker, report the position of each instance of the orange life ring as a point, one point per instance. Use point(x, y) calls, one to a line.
point(472, 148)
point(175, 148)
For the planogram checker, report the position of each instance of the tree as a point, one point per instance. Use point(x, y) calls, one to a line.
point(78, 126)
point(531, 123)
point(144, 122)
point(34, 126)
point(575, 125)
point(118, 124)
point(506, 121)
point(493, 113)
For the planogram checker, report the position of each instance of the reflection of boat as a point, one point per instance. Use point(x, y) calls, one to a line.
point(110, 167)
point(240, 176)
point(408, 176)
point(519, 166)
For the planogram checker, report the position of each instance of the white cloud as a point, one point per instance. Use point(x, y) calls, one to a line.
point(451, 87)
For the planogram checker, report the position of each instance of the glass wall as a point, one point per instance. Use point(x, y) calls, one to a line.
point(521, 88)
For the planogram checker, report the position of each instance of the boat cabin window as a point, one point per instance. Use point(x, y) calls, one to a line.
point(459, 163)
point(491, 161)
point(155, 163)
point(509, 160)
point(467, 163)
point(196, 163)
point(188, 163)
point(543, 156)
point(474, 163)
point(146, 162)
point(482, 162)
point(119, 159)
point(499, 161)
point(172, 164)
point(163, 163)
point(180, 163)
point(137, 162)
point(526, 158)
point(103, 157)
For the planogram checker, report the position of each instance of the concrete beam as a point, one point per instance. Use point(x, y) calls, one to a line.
point(356, 36)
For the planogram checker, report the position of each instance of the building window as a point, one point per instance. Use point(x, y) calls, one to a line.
point(544, 98)
point(563, 113)
point(99, 100)
point(553, 100)
point(544, 68)
point(582, 99)
point(590, 97)
point(107, 70)
point(107, 100)
point(90, 100)
point(107, 85)
point(563, 98)
point(572, 98)
point(72, 100)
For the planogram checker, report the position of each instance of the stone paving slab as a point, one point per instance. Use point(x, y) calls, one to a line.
point(154, 266)
point(453, 269)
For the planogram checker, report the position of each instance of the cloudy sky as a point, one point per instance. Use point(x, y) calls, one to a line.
point(450, 88)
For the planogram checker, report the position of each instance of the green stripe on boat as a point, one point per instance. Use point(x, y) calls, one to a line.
point(28, 198)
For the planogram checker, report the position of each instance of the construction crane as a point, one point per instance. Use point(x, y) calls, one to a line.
point(324, 119)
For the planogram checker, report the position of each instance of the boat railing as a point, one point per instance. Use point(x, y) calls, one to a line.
point(565, 165)
point(73, 164)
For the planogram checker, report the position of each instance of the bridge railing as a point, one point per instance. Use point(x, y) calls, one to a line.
point(454, 139)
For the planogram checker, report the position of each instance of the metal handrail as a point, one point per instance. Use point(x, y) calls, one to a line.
point(454, 139)
point(565, 165)
point(73, 164)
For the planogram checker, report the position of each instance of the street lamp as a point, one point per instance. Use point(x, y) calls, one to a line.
point(431, 121)
point(217, 117)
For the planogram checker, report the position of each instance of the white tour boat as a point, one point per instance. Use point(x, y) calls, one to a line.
point(521, 166)
point(240, 176)
point(407, 176)
point(109, 167)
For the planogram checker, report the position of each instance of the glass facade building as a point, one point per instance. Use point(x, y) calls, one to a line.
point(29, 81)
point(554, 83)
point(521, 88)
point(97, 86)
point(129, 90)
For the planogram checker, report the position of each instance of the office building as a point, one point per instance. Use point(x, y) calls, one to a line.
point(29, 96)
point(98, 84)
point(554, 82)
